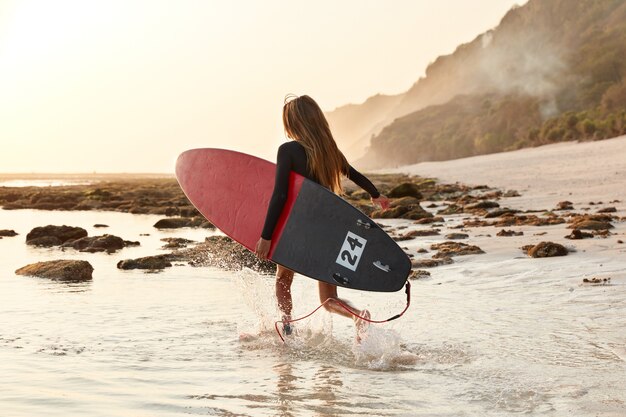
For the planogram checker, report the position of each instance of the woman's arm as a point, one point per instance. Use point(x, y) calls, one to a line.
point(363, 182)
point(277, 202)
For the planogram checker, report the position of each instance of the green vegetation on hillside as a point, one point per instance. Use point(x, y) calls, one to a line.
point(584, 97)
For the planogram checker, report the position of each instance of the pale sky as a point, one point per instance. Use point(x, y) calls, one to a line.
point(126, 85)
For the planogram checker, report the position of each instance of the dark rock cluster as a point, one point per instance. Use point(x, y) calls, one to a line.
point(469, 207)
point(139, 196)
point(76, 238)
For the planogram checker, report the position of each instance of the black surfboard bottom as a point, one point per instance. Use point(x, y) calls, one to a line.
point(328, 239)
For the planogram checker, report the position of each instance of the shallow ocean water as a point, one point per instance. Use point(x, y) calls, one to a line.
point(485, 336)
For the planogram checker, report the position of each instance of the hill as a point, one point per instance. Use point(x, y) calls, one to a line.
point(552, 70)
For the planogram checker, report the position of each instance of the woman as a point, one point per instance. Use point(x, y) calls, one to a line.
point(312, 153)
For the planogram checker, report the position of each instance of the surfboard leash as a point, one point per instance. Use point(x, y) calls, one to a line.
point(346, 307)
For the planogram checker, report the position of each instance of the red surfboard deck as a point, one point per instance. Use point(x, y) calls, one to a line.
point(318, 234)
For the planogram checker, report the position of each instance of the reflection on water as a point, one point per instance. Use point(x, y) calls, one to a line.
point(42, 183)
point(130, 343)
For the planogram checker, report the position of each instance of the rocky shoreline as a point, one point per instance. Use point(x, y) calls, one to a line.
point(456, 207)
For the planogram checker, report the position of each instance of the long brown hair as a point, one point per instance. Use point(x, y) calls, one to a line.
point(305, 122)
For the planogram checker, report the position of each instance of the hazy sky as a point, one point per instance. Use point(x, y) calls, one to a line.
point(125, 86)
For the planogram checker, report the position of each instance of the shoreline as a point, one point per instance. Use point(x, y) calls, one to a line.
point(577, 171)
point(555, 197)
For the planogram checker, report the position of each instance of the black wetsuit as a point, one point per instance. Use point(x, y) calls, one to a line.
point(292, 157)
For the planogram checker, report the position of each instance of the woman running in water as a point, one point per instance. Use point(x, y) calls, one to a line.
point(312, 153)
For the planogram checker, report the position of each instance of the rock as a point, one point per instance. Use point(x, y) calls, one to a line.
point(404, 202)
point(422, 250)
point(46, 241)
point(564, 205)
point(545, 250)
point(147, 262)
point(511, 193)
point(391, 213)
point(98, 194)
point(54, 235)
point(407, 189)
point(418, 213)
point(509, 233)
point(430, 220)
point(596, 280)
point(516, 220)
point(416, 233)
point(579, 234)
point(588, 224)
point(454, 236)
point(447, 249)
point(138, 210)
point(7, 233)
point(419, 274)
point(44, 200)
point(45, 236)
point(451, 209)
point(620, 241)
point(486, 204)
point(480, 187)
point(142, 195)
point(604, 233)
point(178, 222)
point(100, 225)
point(65, 270)
point(405, 208)
point(367, 209)
point(430, 263)
point(607, 210)
point(359, 195)
point(176, 242)
point(104, 243)
point(167, 211)
point(500, 212)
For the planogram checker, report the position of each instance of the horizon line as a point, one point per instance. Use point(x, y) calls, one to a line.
point(86, 173)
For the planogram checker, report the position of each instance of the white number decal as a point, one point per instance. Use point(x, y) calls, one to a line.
point(351, 251)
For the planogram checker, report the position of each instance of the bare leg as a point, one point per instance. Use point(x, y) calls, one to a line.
point(284, 278)
point(329, 291)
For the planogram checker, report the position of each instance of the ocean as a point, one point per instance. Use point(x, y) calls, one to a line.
point(497, 334)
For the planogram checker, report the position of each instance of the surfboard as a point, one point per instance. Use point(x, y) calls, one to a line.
point(318, 235)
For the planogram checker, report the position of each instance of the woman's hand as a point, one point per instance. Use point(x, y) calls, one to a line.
point(262, 248)
point(381, 201)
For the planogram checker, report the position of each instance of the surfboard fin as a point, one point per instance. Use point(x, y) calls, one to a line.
point(380, 265)
point(360, 222)
point(341, 279)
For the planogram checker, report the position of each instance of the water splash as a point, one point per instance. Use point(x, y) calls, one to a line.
point(383, 350)
point(258, 295)
point(313, 338)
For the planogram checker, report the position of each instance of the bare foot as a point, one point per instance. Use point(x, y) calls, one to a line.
point(362, 325)
point(287, 326)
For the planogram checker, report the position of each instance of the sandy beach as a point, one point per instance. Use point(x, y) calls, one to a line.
point(579, 172)
point(591, 175)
